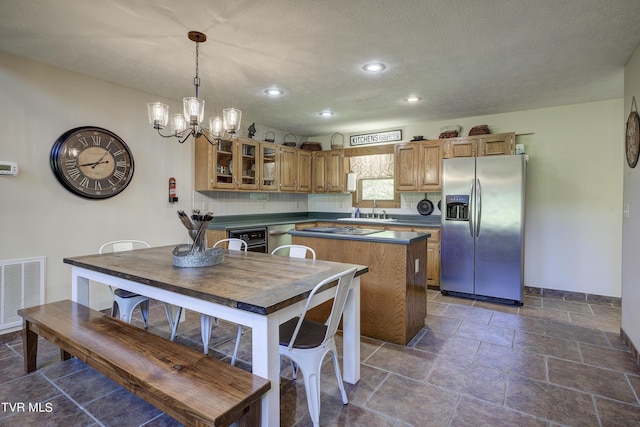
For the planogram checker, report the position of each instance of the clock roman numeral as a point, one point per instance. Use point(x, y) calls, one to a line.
point(118, 174)
point(83, 141)
point(95, 139)
point(84, 182)
point(97, 186)
point(117, 153)
point(73, 172)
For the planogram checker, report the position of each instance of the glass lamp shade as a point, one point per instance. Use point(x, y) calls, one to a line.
point(178, 123)
point(193, 110)
point(158, 114)
point(216, 128)
point(231, 118)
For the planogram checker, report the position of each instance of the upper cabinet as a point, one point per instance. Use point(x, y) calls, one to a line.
point(227, 165)
point(269, 162)
point(328, 171)
point(295, 170)
point(417, 166)
point(479, 146)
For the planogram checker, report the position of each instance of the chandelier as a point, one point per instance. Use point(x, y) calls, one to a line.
point(190, 123)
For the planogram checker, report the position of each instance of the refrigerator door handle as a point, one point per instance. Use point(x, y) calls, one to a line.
point(478, 206)
point(470, 211)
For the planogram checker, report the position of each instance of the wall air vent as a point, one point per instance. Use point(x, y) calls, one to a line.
point(21, 285)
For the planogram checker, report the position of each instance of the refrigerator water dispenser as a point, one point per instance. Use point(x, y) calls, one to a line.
point(457, 207)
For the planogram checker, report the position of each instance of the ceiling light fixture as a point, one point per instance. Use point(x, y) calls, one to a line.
point(189, 123)
point(326, 113)
point(274, 92)
point(413, 99)
point(374, 67)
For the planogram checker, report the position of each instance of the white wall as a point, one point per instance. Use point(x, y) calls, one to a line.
point(631, 224)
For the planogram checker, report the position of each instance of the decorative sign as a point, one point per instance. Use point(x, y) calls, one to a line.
point(374, 138)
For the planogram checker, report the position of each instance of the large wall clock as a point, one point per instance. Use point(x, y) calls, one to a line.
point(92, 162)
point(632, 137)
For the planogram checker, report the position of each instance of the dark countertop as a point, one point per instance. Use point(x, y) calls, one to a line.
point(394, 237)
point(254, 221)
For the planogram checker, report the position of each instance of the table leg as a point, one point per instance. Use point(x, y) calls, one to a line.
point(79, 288)
point(29, 347)
point(265, 361)
point(351, 335)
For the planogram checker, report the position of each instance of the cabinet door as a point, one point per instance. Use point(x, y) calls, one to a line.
point(334, 171)
point(406, 167)
point(224, 155)
point(245, 171)
point(319, 168)
point(288, 168)
point(269, 161)
point(204, 168)
point(460, 147)
point(430, 163)
point(304, 171)
point(496, 145)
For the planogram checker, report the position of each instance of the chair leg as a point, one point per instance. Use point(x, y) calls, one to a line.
point(235, 350)
point(205, 331)
point(173, 322)
point(336, 365)
point(144, 311)
point(114, 309)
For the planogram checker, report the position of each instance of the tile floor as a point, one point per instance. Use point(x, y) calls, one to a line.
point(549, 363)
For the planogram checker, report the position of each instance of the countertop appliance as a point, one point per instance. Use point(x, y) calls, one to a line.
point(482, 240)
point(256, 238)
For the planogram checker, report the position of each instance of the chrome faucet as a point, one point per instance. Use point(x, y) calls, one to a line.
point(373, 209)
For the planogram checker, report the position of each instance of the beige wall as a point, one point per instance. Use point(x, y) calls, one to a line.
point(631, 224)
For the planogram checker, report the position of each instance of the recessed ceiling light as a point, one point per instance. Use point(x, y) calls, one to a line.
point(413, 99)
point(326, 113)
point(374, 67)
point(273, 92)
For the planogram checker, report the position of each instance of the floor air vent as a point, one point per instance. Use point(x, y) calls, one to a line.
point(21, 285)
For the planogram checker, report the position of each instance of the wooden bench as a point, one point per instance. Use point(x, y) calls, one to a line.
point(195, 389)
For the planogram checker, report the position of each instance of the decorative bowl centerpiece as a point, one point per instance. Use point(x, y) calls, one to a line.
point(196, 254)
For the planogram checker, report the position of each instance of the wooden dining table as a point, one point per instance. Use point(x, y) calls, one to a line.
point(260, 291)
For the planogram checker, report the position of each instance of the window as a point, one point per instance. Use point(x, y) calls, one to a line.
point(374, 170)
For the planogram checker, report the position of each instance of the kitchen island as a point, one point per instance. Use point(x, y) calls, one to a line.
point(393, 303)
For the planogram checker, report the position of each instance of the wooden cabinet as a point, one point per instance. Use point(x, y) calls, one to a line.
point(433, 251)
point(295, 170)
point(418, 166)
point(227, 165)
point(328, 171)
point(269, 167)
point(498, 144)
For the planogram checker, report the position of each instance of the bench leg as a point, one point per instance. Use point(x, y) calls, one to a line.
point(64, 355)
point(29, 347)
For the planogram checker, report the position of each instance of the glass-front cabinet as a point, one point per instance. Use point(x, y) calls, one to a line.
point(269, 162)
point(227, 165)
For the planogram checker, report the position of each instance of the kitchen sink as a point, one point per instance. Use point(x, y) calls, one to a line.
point(343, 230)
point(368, 219)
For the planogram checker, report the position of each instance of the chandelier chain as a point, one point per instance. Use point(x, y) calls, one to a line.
point(196, 79)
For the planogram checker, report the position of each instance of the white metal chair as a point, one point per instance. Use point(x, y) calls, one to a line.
point(307, 342)
point(206, 320)
point(125, 302)
point(295, 251)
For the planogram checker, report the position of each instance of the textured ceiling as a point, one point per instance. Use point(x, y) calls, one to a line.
point(462, 57)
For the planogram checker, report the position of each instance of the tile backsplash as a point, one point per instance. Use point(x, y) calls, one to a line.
point(245, 203)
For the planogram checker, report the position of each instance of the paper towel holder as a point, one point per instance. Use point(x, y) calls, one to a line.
point(351, 181)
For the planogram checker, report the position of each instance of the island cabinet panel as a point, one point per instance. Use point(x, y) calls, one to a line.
point(393, 292)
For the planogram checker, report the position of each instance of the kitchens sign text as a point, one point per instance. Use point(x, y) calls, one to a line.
point(372, 138)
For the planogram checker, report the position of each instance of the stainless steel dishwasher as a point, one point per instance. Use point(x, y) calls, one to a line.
point(278, 236)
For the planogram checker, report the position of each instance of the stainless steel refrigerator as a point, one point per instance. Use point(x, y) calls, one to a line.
point(482, 246)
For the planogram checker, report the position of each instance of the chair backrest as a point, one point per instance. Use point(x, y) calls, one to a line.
point(295, 251)
point(340, 298)
point(233, 244)
point(123, 245)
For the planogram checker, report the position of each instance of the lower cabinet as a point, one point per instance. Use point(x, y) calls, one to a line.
point(433, 244)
